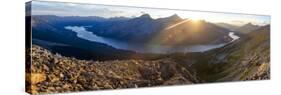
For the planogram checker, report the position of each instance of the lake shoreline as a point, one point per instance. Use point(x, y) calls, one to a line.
point(83, 33)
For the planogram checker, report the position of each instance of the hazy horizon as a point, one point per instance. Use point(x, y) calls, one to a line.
point(73, 9)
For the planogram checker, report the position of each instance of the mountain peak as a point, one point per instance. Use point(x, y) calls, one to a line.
point(175, 17)
point(250, 24)
point(145, 16)
point(247, 28)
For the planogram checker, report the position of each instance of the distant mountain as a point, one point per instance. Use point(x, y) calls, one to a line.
point(54, 37)
point(138, 30)
point(247, 28)
point(228, 26)
point(142, 29)
point(190, 32)
point(62, 21)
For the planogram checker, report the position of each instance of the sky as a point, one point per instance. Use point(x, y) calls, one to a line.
point(74, 9)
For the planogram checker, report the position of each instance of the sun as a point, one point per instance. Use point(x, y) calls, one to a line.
point(196, 23)
point(195, 19)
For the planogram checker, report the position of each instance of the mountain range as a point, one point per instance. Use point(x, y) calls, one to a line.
point(141, 29)
point(169, 31)
point(247, 28)
point(244, 29)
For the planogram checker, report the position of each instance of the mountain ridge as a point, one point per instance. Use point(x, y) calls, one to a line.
point(140, 29)
point(247, 28)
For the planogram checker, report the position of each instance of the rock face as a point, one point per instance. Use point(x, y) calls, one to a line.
point(51, 73)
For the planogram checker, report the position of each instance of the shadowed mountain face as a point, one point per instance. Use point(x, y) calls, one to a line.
point(125, 36)
point(144, 30)
point(141, 29)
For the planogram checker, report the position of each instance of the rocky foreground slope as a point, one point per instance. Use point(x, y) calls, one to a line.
point(51, 73)
point(245, 59)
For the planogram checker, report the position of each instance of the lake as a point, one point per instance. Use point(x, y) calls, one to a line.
point(83, 33)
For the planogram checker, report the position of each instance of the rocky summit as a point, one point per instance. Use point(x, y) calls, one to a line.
point(51, 73)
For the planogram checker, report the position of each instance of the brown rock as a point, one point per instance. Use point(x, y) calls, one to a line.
point(53, 78)
point(167, 70)
point(108, 86)
point(35, 78)
point(148, 73)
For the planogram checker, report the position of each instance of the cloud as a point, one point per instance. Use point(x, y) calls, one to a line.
point(70, 9)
